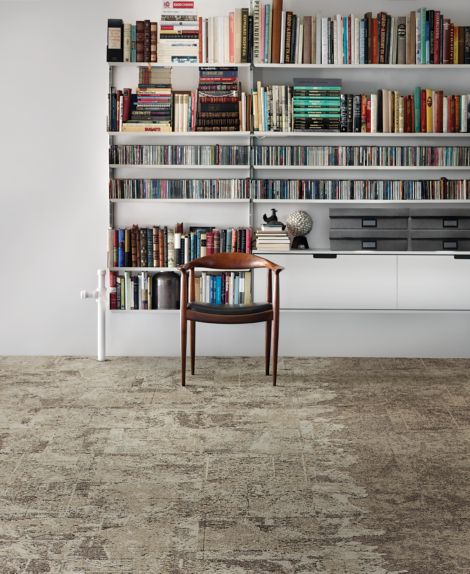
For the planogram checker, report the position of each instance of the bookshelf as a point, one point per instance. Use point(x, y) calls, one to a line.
point(248, 211)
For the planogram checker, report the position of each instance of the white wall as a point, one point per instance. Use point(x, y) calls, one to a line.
point(53, 210)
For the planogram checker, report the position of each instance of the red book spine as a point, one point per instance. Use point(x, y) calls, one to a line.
point(458, 109)
point(127, 96)
point(445, 42)
point(423, 111)
point(368, 114)
point(451, 115)
point(199, 48)
point(375, 41)
point(112, 291)
point(363, 113)
point(439, 111)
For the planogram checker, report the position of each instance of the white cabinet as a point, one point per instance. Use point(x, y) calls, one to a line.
point(433, 282)
point(370, 281)
point(342, 282)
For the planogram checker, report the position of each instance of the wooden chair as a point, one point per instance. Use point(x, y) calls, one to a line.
point(230, 314)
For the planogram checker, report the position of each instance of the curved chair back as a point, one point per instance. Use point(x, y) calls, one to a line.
point(231, 261)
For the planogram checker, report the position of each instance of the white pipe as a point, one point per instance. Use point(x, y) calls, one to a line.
point(101, 302)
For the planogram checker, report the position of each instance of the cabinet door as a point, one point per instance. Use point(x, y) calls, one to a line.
point(345, 282)
point(433, 282)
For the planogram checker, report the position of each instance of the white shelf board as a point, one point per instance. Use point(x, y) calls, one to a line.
point(360, 168)
point(176, 64)
point(179, 200)
point(169, 311)
point(140, 269)
point(409, 67)
point(369, 201)
point(330, 134)
point(179, 167)
point(164, 135)
point(358, 252)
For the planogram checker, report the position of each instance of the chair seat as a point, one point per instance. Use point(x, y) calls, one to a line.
point(242, 309)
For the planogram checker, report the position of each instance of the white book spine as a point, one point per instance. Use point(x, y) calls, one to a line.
point(127, 43)
point(373, 113)
point(324, 40)
point(339, 56)
point(300, 40)
point(318, 39)
point(226, 39)
point(464, 113)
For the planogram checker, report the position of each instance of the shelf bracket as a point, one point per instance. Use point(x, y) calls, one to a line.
point(99, 295)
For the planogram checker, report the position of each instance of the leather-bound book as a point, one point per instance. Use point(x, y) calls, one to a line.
point(276, 32)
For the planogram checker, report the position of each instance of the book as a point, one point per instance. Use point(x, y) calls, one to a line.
point(115, 45)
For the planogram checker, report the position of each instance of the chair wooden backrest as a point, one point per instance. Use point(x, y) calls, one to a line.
point(225, 261)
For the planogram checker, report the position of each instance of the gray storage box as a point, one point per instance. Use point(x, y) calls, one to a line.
point(368, 240)
point(440, 240)
point(350, 218)
point(448, 219)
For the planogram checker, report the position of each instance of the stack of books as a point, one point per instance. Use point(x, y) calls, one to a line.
point(150, 108)
point(219, 96)
point(316, 104)
point(178, 40)
point(271, 237)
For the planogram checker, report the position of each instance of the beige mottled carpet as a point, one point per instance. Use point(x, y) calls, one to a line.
point(349, 466)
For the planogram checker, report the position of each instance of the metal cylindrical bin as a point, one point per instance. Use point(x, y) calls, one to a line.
point(167, 290)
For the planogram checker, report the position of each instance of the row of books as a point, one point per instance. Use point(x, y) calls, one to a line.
point(225, 288)
point(179, 188)
point(163, 246)
point(141, 291)
point(179, 154)
point(280, 108)
point(280, 189)
point(383, 155)
point(275, 109)
point(440, 189)
point(420, 37)
point(270, 34)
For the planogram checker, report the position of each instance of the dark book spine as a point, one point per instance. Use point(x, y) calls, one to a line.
point(139, 30)
point(349, 103)
point(344, 113)
point(114, 51)
point(244, 36)
point(467, 45)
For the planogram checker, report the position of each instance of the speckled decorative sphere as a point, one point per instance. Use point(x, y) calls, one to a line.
point(299, 223)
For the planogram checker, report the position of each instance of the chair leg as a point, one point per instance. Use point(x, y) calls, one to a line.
point(183, 352)
point(267, 346)
point(275, 346)
point(192, 344)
